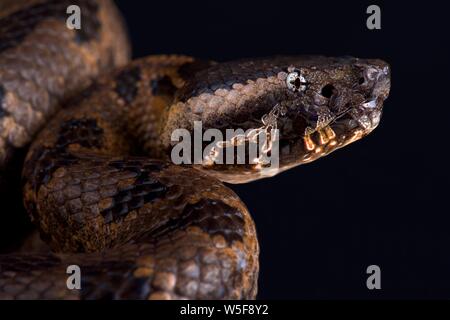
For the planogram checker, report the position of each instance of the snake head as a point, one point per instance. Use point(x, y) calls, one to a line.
point(331, 103)
point(319, 104)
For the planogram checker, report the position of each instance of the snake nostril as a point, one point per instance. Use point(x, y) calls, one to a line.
point(327, 91)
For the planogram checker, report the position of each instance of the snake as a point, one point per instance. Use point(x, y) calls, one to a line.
point(99, 179)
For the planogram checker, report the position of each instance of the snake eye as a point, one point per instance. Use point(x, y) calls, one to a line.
point(295, 81)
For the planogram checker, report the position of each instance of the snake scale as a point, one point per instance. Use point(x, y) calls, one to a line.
point(98, 181)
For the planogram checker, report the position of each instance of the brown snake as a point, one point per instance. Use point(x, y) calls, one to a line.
point(140, 226)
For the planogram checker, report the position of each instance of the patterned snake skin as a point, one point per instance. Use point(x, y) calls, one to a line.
point(98, 178)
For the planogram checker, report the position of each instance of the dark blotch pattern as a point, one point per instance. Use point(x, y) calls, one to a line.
point(127, 83)
point(212, 216)
point(162, 86)
point(145, 189)
point(47, 161)
point(84, 132)
point(15, 27)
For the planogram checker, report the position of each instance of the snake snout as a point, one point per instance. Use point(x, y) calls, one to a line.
point(374, 85)
point(377, 77)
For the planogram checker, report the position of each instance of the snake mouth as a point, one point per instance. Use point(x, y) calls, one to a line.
point(340, 133)
point(352, 125)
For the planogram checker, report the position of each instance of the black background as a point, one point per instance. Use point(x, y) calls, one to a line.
point(382, 200)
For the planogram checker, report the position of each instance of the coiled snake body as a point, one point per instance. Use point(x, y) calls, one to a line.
point(140, 226)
